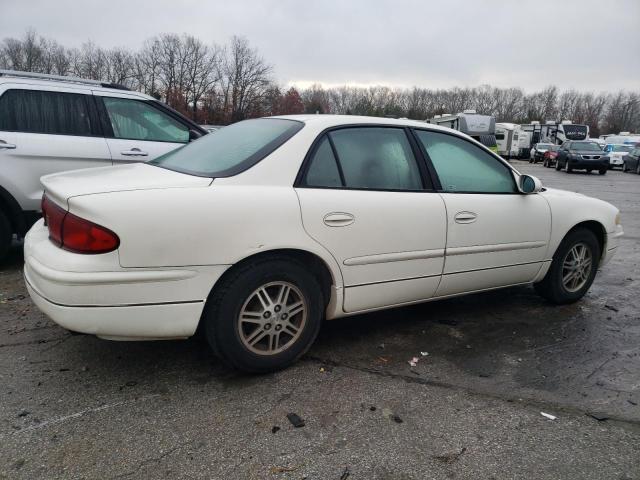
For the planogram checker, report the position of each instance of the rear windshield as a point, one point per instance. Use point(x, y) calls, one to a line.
point(586, 146)
point(545, 145)
point(232, 149)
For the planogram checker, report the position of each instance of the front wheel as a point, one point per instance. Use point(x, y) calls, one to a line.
point(638, 168)
point(624, 168)
point(602, 171)
point(567, 167)
point(557, 165)
point(264, 315)
point(572, 269)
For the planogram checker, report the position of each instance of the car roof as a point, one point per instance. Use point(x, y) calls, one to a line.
point(323, 121)
point(37, 82)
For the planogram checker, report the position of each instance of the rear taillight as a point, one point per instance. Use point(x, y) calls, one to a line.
point(74, 233)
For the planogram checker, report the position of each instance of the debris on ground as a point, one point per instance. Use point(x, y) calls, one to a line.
point(383, 359)
point(295, 420)
point(414, 361)
point(275, 428)
point(450, 457)
point(345, 474)
point(632, 402)
point(601, 417)
point(372, 408)
point(424, 354)
point(548, 415)
point(612, 308)
point(24, 413)
point(387, 413)
point(275, 470)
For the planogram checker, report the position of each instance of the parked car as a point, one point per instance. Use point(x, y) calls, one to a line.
point(616, 153)
point(51, 124)
point(549, 157)
point(582, 155)
point(538, 151)
point(632, 161)
point(257, 233)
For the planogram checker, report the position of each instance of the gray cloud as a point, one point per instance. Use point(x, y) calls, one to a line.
point(587, 44)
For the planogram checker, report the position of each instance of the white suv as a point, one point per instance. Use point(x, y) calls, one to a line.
point(50, 123)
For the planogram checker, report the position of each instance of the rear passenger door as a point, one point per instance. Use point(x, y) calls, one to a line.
point(367, 199)
point(138, 130)
point(43, 132)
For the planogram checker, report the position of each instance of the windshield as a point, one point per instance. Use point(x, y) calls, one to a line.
point(232, 149)
point(621, 148)
point(586, 147)
point(545, 146)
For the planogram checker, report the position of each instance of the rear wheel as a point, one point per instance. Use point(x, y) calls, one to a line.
point(265, 315)
point(6, 235)
point(572, 269)
point(602, 171)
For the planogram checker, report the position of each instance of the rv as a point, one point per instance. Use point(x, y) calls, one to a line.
point(512, 140)
point(556, 132)
point(480, 127)
point(624, 138)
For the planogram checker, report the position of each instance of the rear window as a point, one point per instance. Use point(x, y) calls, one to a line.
point(54, 113)
point(232, 149)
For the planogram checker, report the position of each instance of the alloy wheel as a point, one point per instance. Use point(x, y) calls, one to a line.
point(576, 267)
point(272, 318)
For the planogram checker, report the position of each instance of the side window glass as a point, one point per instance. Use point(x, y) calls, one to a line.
point(55, 113)
point(137, 120)
point(323, 169)
point(376, 158)
point(464, 167)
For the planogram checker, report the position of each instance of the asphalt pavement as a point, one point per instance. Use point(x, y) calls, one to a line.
point(492, 369)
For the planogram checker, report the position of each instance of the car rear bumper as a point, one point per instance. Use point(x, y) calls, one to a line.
point(93, 294)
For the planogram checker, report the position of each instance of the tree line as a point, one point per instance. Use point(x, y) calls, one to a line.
point(221, 84)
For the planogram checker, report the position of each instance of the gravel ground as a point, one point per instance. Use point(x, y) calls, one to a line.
point(80, 407)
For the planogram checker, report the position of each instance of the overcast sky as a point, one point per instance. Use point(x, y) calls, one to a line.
point(582, 44)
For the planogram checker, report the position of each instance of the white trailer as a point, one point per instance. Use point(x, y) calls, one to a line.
point(513, 141)
point(480, 127)
point(556, 132)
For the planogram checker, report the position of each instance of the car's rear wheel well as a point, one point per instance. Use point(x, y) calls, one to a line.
point(312, 262)
point(596, 228)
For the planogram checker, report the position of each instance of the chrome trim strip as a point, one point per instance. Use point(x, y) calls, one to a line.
point(394, 257)
point(500, 247)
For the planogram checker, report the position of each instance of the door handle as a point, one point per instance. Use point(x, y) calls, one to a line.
point(465, 217)
point(7, 146)
point(134, 152)
point(338, 219)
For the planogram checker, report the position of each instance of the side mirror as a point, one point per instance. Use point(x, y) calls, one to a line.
point(194, 135)
point(529, 184)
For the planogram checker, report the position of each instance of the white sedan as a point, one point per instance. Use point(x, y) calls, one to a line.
point(256, 234)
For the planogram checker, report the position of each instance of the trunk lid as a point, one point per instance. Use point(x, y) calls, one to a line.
point(136, 176)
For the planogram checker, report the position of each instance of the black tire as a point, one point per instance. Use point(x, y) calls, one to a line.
point(603, 171)
point(225, 303)
point(567, 167)
point(530, 160)
point(624, 168)
point(551, 287)
point(558, 165)
point(6, 235)
point(638, 168)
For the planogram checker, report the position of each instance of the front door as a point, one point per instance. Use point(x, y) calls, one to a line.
point(365, 198)
point(496, 236)
point(137, 131)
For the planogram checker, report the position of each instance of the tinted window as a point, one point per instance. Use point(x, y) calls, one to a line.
point(376, 158)
point(231, 149)
point(323, 168)
point(463, 166)
point(36, 111)
point(138, 120)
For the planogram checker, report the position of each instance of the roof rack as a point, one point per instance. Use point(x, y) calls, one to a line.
point(60, 78)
